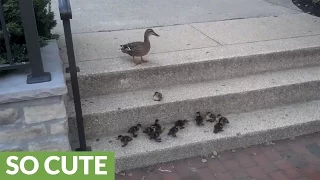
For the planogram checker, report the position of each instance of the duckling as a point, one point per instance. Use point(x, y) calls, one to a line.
point(154, 134)
point(181, 123)
point(157, 96)
point(148, 130)
point(223, 120)
point(211, 117)
point(218, 127)
point(173, 131)
point(157, 125)
point(124, 139)
point(199, 119)
point(139, 48)
point(134, 129)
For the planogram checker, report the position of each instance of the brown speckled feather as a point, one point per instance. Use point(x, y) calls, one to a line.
point(136, 48)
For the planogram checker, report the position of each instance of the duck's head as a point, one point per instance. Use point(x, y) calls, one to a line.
point(120, 136)
point(198, 113)
point(150, 32)
point(219, 116)
point(139, 125)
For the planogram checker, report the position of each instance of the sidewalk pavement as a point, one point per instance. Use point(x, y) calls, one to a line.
point(291, 159)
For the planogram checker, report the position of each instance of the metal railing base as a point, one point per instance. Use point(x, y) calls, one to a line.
point(44, 77)
point(88, 148)
point(68, 69)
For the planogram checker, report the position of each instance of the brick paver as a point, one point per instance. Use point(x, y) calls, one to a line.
point(290, 159)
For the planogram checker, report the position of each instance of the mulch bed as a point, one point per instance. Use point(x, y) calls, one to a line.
point(308, 6)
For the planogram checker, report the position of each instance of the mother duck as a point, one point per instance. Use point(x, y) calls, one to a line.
point(139, 48)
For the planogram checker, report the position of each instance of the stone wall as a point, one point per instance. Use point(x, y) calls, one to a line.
point(36, 125)
point(33, 116)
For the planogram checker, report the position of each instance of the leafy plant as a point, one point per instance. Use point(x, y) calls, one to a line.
point(45, 23)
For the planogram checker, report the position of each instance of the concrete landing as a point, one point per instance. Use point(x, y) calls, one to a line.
point(110, 15)
point(105, 45)
point(245, 129)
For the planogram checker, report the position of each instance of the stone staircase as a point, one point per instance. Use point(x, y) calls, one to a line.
point(263, 74)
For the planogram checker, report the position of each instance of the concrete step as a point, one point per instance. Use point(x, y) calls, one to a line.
point(195, 52)
point(103, 77)
point(104, 115)
point(244, 130)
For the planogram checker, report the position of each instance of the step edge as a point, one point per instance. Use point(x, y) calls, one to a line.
point(72, 115)
point(217, 60)
point(313, 126)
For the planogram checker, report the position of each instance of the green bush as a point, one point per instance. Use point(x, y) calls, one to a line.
point(45, 23)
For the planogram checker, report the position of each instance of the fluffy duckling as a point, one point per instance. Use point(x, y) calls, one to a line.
point(173, 131)
point(124, 139)
point(210, 117)
point(134, 129)
point(199, 119)
point(218, 127)
point(223, 120)
point(157, 125)
point(157, 96)
point(148, 130)
point(139, 48)
point(181, 123)
point(155, 133)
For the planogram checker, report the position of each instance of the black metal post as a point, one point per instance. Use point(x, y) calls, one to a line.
point(66, 15)
point(33, 45)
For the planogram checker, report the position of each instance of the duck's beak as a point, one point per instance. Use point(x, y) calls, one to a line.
point(155, 34)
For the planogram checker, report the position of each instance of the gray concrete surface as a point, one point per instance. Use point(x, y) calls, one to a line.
point(245, 129)
point(106, 76)
point(93, 46)
point(108, 114)
point(261, 29)
point(104, 45)
point(210, 57)
point(106, 15)
point(284, 3)
point(14, 86)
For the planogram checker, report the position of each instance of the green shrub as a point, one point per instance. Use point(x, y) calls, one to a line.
point(45, 23)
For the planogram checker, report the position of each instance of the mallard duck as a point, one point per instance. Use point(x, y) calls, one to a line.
point(134, 129)
point(211, 117)
point(181, 123)
point(139, 48)
point(223, 120)
point(173, 131)
point(199, 119)
point(124, 139)
point(157, 96)
point(218, 127)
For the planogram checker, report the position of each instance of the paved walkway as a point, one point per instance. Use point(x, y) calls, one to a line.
point(109, 15)
point(290, 159)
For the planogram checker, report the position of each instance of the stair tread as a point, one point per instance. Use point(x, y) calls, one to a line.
point(175, 58)
point(245, 123)
point(136, 99)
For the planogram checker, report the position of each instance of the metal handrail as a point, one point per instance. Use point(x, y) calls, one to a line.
point(32, 42)
point(66, 15)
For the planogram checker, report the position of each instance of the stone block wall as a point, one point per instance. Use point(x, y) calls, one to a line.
point(34, 125)
point(33, 116)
